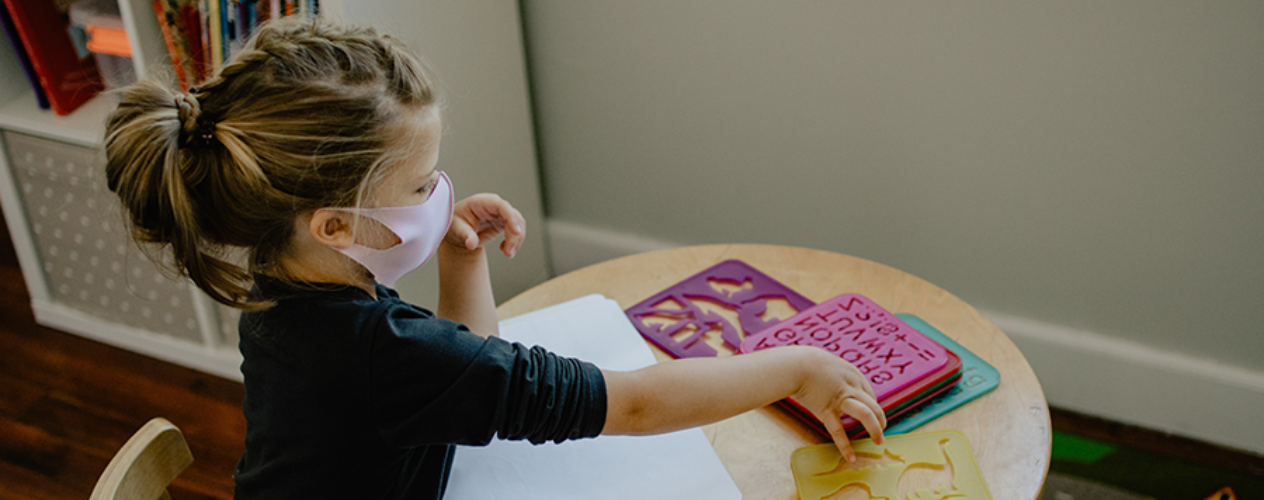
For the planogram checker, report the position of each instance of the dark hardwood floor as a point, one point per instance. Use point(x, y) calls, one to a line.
point(68, 403)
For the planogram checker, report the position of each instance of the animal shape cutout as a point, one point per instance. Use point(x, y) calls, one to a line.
point(713, 311)
point(923, 466)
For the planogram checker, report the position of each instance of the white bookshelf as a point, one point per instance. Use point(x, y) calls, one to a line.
point(207, 349)
point(477, 47)
point(84, 127)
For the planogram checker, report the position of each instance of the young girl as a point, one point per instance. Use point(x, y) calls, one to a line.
point(315, 150)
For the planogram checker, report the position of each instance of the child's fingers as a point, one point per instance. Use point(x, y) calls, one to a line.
point(508, 219)
point(489, 216)
point(462, 234)
point(875, 408)
point(834, 425)
point(865, 414)
point(515, 234)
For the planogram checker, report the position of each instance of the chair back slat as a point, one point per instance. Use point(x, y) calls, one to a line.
point(146, 464)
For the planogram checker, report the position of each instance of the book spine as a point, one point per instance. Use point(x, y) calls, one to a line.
point(168, 37)
point(263, 11)
point(214, 23)
point(253, 12)
point(171, 9)
point(193, 37)
point(68, 79)
point(225, 19)
point(41, 98)
point(233, 30)
point(243, 22)
point(204, 16)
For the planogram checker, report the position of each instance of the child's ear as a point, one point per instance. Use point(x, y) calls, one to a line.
point(332, 228)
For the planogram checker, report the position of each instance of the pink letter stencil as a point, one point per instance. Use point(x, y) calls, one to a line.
point(889, 352)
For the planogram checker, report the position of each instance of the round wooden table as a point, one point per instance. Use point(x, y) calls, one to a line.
point(1007, 428)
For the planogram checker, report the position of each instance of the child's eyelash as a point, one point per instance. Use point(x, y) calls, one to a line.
point(429, 186)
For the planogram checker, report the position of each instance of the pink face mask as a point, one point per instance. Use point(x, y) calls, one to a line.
point(420, 229)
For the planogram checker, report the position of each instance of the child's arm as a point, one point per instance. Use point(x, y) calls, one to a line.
point(691, 392)
point(465, 288)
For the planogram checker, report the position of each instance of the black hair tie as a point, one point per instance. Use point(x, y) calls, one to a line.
point(193, 127)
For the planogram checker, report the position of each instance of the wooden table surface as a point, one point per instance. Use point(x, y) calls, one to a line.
point(1007, 428)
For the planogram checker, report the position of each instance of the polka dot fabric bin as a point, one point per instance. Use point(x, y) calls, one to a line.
point(82, 244)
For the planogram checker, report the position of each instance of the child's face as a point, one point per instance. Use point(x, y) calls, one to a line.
point(411, 181)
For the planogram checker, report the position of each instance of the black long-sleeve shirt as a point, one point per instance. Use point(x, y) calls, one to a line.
point(351, 397)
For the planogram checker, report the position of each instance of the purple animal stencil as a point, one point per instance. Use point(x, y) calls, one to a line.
point(671, 314)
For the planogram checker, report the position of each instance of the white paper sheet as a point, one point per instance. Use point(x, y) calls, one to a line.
point(680, 465)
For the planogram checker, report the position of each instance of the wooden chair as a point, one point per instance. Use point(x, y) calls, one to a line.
point(145, 465)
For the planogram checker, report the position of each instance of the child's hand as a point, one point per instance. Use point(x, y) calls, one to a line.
point(834, 388)
point(478, 219)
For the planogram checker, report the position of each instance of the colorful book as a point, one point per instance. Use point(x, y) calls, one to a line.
point(215, 26)
point(107, 40)
point(204, 18)
point(173, 35)
point(15, 40)
point(232, 30)
point(191, 20)
point(68, 75)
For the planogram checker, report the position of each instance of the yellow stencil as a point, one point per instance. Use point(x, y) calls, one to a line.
point(923, 466)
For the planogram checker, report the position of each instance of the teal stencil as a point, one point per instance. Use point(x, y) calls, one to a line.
point(977, 379)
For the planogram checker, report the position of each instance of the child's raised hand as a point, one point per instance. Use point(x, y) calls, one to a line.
point(478, 219)
point(834, 388)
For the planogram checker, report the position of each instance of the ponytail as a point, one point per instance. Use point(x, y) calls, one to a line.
point(149, 169)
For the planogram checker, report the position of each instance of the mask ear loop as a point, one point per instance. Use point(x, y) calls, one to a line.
point(356, 223)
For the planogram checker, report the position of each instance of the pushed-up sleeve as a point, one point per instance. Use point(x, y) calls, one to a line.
point(435, 382)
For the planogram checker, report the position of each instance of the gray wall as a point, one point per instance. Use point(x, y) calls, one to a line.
point(1095, 165)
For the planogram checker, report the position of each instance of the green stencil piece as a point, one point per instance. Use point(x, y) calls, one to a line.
point(977, 378)
point(923, 466)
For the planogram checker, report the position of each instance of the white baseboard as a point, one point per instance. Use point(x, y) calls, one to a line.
point(1137, 384)
point(1081, 371)
point(224, 362)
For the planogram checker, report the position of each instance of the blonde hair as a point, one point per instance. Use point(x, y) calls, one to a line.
point(299, 119)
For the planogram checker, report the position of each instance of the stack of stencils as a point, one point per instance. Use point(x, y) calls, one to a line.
point(905, 367)
point(733, 301)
